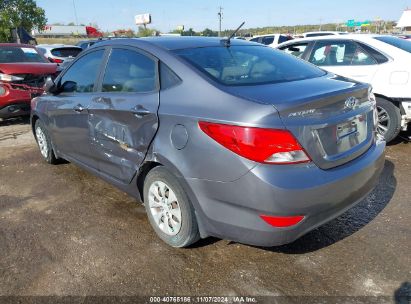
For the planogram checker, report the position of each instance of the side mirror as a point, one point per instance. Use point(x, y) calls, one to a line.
point(50, 86)
point(68, 87)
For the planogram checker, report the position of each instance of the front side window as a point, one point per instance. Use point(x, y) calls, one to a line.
point(248, 65)
point(129, 71)
point(9, 54)
point(83, 73)
point(296, 50)
point(339, 53)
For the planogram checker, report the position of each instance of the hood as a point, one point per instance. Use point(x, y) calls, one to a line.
point(35, 68)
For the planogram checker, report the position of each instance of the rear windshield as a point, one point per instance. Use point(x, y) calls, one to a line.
point(248, 65)
point(66, 52)
point(10, 54)
point(402, 44)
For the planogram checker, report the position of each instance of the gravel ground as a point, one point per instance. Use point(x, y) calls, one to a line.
point(65, 232)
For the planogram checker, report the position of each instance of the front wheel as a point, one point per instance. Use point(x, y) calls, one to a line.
point(44, 143)
point(169, 210)
point(389, 119)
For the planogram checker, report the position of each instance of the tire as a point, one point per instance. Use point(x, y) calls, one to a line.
point(169, 210)
point(44, 142)
point(389, 119)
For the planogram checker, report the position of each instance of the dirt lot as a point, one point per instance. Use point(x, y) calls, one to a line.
point(65, 232)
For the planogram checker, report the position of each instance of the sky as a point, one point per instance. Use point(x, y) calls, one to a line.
point(167, 15)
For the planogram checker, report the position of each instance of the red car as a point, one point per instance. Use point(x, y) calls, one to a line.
point(23, 72)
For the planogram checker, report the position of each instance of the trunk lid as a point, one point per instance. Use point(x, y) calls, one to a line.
point(331, 116)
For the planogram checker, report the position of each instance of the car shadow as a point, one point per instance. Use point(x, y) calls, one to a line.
point(21, 120)
point(403, 294)
point(348, 223)
point(402, 138)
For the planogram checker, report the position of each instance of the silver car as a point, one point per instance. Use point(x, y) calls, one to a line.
point(58, 53)
point(220, 138)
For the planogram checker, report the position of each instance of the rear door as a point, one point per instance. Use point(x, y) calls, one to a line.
point(123, 115)
point(345, 58)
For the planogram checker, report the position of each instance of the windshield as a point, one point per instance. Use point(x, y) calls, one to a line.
point(248, 65)
point(402, 44)
point(11, 54)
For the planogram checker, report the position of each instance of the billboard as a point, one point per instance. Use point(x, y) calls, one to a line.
point(143, 19)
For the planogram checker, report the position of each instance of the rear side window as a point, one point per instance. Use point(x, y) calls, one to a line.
point(402, 44)
point(380, 58)
point(66, 52)
point(339, 53)
point(84, 72)
point(268, 40)
point(168, 78)
point(283, 38)
point(248, 65)
point(129, 71)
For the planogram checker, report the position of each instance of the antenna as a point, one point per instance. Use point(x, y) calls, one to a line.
point(227, 42)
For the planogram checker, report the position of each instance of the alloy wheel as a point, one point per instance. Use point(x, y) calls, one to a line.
point(164, 208)
point(42, 142)
point(384, 121)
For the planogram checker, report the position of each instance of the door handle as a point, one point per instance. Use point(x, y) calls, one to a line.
point(78, 108)
point(139, 111)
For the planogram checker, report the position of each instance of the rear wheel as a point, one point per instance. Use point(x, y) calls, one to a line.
point(169, 210)
point(389, 119)
point(44, 143)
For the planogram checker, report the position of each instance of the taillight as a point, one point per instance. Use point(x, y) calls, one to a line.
point(269, 146)
point(55, 60)
point(282, 221)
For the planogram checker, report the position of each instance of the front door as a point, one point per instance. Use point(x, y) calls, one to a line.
point(68, 110)
point(123, 116)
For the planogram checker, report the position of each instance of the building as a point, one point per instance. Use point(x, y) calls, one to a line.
point(405, 21)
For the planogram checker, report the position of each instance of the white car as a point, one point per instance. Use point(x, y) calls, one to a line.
point(382, 61)
point(322, 33)
point(272, 39)
point(57, 53)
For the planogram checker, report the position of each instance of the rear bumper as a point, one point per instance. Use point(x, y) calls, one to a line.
point(231, 210)
point(15, 101)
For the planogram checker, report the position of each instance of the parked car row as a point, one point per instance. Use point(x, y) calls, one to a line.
point(382, 61)
point(23, 72)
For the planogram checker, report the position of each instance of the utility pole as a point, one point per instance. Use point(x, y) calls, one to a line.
point(75, 12)
point(220, 17)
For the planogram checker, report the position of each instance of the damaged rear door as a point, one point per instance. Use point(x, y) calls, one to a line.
point(123, 117)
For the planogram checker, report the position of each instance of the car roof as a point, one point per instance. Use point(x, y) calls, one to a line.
point(335, 37)
point(174, 43)
point(324, 32)
point(54, 46)
point(267, 35)
point(17, 45)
